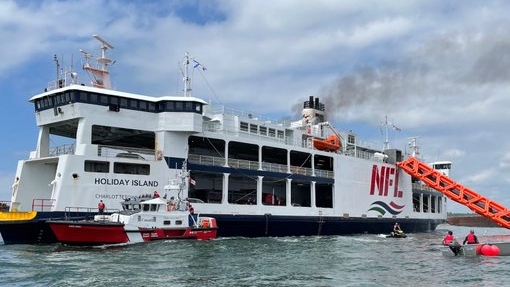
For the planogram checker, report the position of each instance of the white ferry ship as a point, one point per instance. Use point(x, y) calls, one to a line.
point(256, 177)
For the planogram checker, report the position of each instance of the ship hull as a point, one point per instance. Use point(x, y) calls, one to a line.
point(270, 225)
point(39, 231)
point(76, 233)
point(34, 231)
point(27, 232)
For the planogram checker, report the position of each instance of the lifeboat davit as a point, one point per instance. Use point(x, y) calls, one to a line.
point(331, 143)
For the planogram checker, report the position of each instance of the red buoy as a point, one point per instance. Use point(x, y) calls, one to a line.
point(495, 250)
point(486, 250)
point(478, 249)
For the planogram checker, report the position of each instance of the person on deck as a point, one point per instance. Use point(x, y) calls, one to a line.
point(156, 194)
point(100, 207)
point(450, 241)
point(470, 238)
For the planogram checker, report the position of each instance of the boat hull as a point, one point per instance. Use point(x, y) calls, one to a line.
point(471, 250)
point(88, 233)
point(91, 233)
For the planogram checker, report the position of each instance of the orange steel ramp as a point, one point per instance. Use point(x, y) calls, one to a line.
point(457, 192)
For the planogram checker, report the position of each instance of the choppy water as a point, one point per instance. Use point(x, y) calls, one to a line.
point(363, 260)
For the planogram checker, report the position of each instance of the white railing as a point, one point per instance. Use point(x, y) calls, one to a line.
point(63, 149)
point(254, 165)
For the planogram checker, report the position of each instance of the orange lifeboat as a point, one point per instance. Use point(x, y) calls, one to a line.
point(331, 143)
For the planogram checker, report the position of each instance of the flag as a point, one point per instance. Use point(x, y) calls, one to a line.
point(396, 128)
point(192, 181)
point(196, 64)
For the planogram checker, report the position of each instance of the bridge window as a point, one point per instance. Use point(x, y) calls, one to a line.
point(97, 166)
point(131, 168)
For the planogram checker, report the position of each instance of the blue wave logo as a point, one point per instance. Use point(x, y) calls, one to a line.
point(382, 207)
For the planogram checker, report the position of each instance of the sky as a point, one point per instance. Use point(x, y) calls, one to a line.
point(439, 70)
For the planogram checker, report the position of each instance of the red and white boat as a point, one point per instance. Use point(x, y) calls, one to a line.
point(156, 219)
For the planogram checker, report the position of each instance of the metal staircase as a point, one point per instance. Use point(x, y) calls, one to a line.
point(457, 192)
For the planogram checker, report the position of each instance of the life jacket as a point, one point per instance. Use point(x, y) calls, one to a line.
point(448, 239)
point(471, 238)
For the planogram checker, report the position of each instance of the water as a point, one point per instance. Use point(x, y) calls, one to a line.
point(363, 260)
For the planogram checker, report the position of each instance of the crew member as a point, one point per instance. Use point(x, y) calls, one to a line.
point(448, 238)
point(450, 241)
point(100, 207)
point(156, 194)
point(470, 238)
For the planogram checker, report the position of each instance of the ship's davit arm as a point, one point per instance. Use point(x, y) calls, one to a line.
point(457, 192)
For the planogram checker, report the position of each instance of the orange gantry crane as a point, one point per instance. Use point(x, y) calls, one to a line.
point(457, 192)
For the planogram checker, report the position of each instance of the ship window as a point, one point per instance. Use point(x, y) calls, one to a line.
point(272, 132)
point(244, 126)
point(169, 106)
point(93, 98)
point(114, 100)
point(83, 97)
point(103, 99)
point(351, 139)
point(152, 107)
point(280, 134)
point(188, 106)
point(131, 168)
point(198, 108)
point(97, 166)
point(179, 106)
point(146, 207)
point(253, 128)
point(263, 131)
point(154, 207)
point(70, 97)
point(143, 105)
point(133, 104)
point(178, 222)
point(123, 103)
point(167, 222)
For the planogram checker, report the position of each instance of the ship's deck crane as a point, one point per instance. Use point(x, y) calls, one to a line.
point(457, 192)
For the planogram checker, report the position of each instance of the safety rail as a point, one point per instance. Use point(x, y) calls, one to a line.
point(42, 204)
point(5, 205)
point(457, 192)
point(254, 165)
point(63, 149)
point(79, 212)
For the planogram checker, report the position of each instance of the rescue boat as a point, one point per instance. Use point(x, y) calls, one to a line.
point(331, 143)
point(157, 219)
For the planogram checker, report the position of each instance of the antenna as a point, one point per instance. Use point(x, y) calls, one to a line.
point(101, 74)
point(187, 79)
point(58, 66)
point(108, 45)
